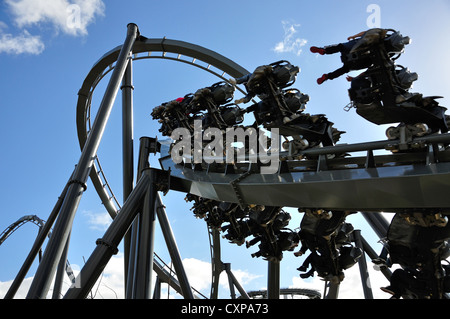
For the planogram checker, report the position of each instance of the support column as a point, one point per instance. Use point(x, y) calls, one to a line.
point(127, 152)
point(365, 280)
point(216, 262)
point(144, 258)
point(173, 249)
point(60, 273)
point(46, 270)
point(331, 290)
point(273, 282)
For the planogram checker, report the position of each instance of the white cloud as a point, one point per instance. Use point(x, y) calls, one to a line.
point(110, 285)
point(199, 274)
point(98, 221)
point(23, 43)
point(70, 18)
point(290, 43)
point(351, 286)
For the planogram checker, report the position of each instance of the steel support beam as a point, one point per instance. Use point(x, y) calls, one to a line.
point(216, 262)
point(373, 255)
point(378, 223)
point(46, 270)
point(145, 247)
point(389, 188)
point(131, 261)
point(107, 245)
point(365, 280)
point(331, 290)
point(60, 272)
point(127, 149)
point(233, 282)
point(173, 249)
point(134, 231)
point(273, 280)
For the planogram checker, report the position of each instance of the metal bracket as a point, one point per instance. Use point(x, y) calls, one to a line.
point(235, 186)
point(322, 163)
point(432, 154)
point(114, 249)
point(75, 181)
point(154, 146)
point(162, 180)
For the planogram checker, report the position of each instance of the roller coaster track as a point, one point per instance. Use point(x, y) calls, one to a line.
point(414, 177)
point(161, 48)
point(19, 223)
point(393, 182)
point(390, 183)
point(382, 183)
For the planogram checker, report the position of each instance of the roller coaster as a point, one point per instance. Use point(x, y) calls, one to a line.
point(286, 158)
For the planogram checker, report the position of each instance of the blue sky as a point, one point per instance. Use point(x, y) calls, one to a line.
point(48, 47)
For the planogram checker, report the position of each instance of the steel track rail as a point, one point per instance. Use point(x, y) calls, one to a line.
point(143, 49)
point(390, 183)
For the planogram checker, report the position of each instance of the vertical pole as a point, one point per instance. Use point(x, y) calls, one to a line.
point(127, 129)
point(127, 152)
point(144, 258)
point(173, 249)
point(363, 266)
point(130, 270)
point(273, 285)
point(130, 283)
point(157, 291)
point(216, 263)
point(333, 290)
point(46, 270)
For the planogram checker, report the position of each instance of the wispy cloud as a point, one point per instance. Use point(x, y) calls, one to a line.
point(291, 42)
point(98, 221)
point(71, 18)
point(22, 43)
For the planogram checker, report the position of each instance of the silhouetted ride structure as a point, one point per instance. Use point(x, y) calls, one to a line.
point(287, 159)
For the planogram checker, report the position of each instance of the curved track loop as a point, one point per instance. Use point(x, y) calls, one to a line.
point(143, 49)
point(19, 223)
point(40, 223)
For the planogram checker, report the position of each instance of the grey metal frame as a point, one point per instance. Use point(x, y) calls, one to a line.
point(186, 53)
point(142, 203)
point(67, 204)
point(412, 183)
point(57, 242)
